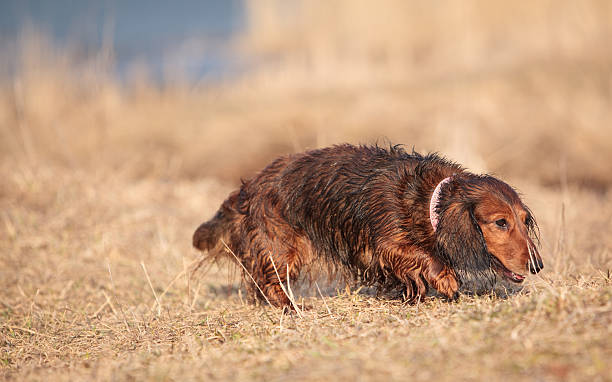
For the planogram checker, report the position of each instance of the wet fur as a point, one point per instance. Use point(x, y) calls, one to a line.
point(363, 210)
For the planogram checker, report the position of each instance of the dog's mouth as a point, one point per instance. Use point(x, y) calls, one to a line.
point(505, 272)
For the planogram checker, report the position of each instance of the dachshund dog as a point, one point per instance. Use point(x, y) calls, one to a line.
point(388, 218)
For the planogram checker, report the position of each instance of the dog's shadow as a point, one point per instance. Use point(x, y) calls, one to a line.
point(333, 287)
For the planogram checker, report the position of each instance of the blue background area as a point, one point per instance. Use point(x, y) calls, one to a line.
point(149, 32)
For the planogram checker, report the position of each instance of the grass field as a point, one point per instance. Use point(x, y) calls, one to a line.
point(103, 183)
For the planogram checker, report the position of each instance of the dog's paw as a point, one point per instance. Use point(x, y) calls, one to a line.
point(443, 279)
point(448, 286)
point(445, 282)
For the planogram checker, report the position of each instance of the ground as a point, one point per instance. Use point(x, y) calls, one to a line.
point(87, 259)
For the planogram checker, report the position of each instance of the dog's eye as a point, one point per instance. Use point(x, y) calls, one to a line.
point(501, 223)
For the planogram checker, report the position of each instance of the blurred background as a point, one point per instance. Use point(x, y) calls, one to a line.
point(218, 88)
point(124, 125)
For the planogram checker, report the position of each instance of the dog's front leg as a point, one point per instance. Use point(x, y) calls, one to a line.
point(406, 265)
point(441, 277)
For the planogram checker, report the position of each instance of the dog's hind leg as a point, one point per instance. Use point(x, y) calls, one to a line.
point(275, 259)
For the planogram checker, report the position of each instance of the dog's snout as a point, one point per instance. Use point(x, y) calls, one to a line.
point(535, 265)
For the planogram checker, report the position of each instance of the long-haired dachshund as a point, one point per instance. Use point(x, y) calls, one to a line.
point(389, 218)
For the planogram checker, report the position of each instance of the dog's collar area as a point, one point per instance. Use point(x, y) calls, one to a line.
point(433, 203)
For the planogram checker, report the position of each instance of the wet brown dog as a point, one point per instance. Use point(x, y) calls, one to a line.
point(389, 218)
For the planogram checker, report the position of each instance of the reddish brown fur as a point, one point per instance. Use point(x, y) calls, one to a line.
point(365, 210)
point(509, 245)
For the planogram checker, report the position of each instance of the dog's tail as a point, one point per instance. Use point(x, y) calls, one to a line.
point(209, 233)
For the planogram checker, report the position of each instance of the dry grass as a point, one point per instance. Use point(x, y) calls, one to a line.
point(103, 184)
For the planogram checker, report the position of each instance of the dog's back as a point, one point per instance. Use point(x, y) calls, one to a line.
point(316, 191)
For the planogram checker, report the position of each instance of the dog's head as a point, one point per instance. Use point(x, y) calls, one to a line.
point(486, 232)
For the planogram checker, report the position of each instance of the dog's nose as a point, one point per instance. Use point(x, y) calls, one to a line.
point(535, 266)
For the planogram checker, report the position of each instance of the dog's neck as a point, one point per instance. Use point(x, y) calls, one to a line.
point(433, 203)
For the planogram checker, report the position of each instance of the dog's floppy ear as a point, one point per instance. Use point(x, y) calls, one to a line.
point(459, 243)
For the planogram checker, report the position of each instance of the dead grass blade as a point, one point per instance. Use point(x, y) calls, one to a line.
point(289, 295)
point(28, 331)
point(323, 298)
point(152, 289)
point(247, 272)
